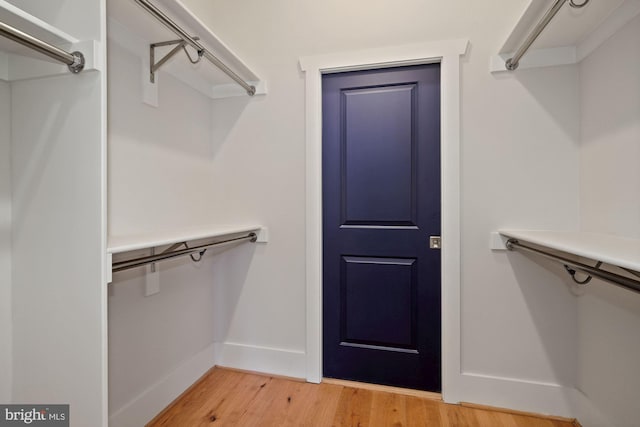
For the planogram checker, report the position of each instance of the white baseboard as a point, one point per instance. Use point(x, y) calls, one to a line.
point(154, 399)
point(261, 359)
point(527, 396)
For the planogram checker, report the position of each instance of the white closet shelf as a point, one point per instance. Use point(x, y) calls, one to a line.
point(570, 36)
point(18, 62)
point(135, 29)
point(613, 250)
point(120, 244)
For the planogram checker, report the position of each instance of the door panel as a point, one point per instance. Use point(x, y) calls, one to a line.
point(381, 201)
point(369, 286)
point(378, 179)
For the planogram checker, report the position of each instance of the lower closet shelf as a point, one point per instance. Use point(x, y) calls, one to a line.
point(614, 250)
point(619, 252)
point(177, 243)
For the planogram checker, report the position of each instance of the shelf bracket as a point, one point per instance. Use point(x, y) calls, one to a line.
point(180, 44)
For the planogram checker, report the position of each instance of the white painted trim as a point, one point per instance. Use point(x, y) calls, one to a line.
point(497, 242)
point(277, 361)
point(536, 58)
point(100, 57)
point(530, 396)
point(154, 399)
point(448, 54)
point(6, 252)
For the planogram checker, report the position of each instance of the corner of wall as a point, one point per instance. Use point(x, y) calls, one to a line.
point(608, 316)
point(156, 397)
point(276, 361)
point(528, 396)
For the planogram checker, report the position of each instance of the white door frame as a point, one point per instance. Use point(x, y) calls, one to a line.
point(447, 53)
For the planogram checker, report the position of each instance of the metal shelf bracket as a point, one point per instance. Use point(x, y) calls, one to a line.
point(180, 44)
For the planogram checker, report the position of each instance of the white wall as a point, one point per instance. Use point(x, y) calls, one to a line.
point(152, 339)
point(57, 253)
point(159, 159)
point(610, 131)
point(5, 243)
point(58, 249)
point(520, 169)
point(609, 317)
point(162, 175)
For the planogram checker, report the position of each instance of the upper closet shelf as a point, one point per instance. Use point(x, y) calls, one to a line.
point(570, 36)
point(134, 26)
point(18, 62)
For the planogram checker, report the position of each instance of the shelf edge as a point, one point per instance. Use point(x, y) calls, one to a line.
point(580, 249)
point(133, 243)
point(16, 67)
point(536, 58)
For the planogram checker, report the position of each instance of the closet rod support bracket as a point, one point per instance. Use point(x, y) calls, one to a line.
point(155, 66)
point(573, 272)
point(78, 62)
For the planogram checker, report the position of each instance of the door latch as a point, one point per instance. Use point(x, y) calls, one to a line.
point(435, 242)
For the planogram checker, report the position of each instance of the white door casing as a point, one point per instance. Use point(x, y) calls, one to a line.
point(448, 53)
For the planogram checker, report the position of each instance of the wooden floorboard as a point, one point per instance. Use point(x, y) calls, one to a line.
point(225, 397)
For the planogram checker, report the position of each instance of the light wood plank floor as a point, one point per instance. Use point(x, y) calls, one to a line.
point(224, 397)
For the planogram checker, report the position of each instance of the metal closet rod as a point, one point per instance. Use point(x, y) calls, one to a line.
point(138, 262)
point(74, 60)
point(625, 282)
point(513, 62)
point(169, 23)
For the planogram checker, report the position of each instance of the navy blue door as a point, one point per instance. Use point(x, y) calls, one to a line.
point(381, 202)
